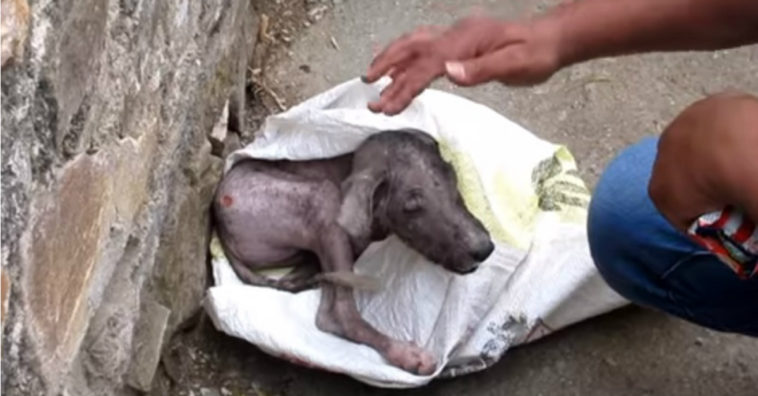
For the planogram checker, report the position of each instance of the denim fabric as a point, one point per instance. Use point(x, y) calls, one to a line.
point(649, 262)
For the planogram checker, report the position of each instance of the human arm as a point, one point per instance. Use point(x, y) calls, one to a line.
point(708, 159)
point(599, 28)
point(478, 50)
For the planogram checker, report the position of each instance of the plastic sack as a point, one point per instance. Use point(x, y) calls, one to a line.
point(525, 190)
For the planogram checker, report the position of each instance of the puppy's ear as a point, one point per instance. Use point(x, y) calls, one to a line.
point(358, 195)
point(424, 137)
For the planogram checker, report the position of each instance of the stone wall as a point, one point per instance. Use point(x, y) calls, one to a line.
point(107, 174)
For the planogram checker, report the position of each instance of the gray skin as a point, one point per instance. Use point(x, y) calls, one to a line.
point(324, 213)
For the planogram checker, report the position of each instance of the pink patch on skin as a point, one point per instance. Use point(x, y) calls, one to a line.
point(226, 201)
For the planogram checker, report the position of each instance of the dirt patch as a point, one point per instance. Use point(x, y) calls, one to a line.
point(201, 361)
point(281, 21)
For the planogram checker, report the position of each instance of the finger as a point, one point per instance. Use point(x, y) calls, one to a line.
point(401, 50)
point(407, 76)
point(388, 93)
point(494, 65)
point(399, 69)
point(398, 51)
point(396, 72)
point(387, 62)
point(405, 93)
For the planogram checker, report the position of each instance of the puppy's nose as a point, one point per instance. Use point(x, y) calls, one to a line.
point(467, 270)
point(481, 253)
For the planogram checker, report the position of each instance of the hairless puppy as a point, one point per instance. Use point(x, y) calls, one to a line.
point(324, 213)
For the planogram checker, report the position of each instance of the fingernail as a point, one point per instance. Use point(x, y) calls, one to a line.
point(455, 69)
point(364, 78)
point(392, 110)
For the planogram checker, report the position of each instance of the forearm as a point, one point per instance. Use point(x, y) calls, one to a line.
point(740, 164)
point(590, 29)
point(751, 204)
point(708, 159)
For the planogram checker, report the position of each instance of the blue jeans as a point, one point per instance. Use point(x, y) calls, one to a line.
point(643, 258)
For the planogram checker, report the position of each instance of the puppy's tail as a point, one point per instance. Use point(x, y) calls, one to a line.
point(351, 280)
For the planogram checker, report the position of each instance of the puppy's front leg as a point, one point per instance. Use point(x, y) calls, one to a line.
point(338, 313)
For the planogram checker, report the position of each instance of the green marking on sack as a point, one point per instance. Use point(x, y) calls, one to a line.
point(559, 188)
point(556, 187)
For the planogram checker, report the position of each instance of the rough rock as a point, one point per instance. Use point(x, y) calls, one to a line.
point(107, 176)
point(209, 392)
point(219, 132)
point(14, 26)
point(148, 342)
point(5, 289)
point(63, 249)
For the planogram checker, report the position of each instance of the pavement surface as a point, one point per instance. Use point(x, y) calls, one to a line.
point(596, 109)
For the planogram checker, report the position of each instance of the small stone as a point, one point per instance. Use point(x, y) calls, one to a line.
point(225, 392)
point(209, 392)
point(316, 13)
point(5, 290)
point(699, 341)
point(148, 343)
point(218, 133)
point(305, 68)
point(14, 22)
point(333, 41)
point(231, 144)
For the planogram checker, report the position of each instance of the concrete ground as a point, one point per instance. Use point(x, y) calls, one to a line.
point(596, 109)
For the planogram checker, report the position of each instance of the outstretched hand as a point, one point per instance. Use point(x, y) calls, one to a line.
point(470, 52)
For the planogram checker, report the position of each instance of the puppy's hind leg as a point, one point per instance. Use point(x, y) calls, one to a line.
point(302, 277)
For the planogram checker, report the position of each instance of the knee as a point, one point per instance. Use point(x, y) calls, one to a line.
point(603, 232)
point(620, 203)
point(621, 216)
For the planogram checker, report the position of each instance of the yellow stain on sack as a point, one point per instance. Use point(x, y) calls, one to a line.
point(217, 251)
point(509, 230)
point(517, 208)
point(565, 157)
point(511, 208)
point(580, 192)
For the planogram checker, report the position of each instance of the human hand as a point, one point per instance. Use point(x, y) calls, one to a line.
point(470, 52)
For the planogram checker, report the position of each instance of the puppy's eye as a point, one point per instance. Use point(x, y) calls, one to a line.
point(413, 203)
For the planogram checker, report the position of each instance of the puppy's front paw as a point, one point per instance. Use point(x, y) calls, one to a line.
point(411, 358)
